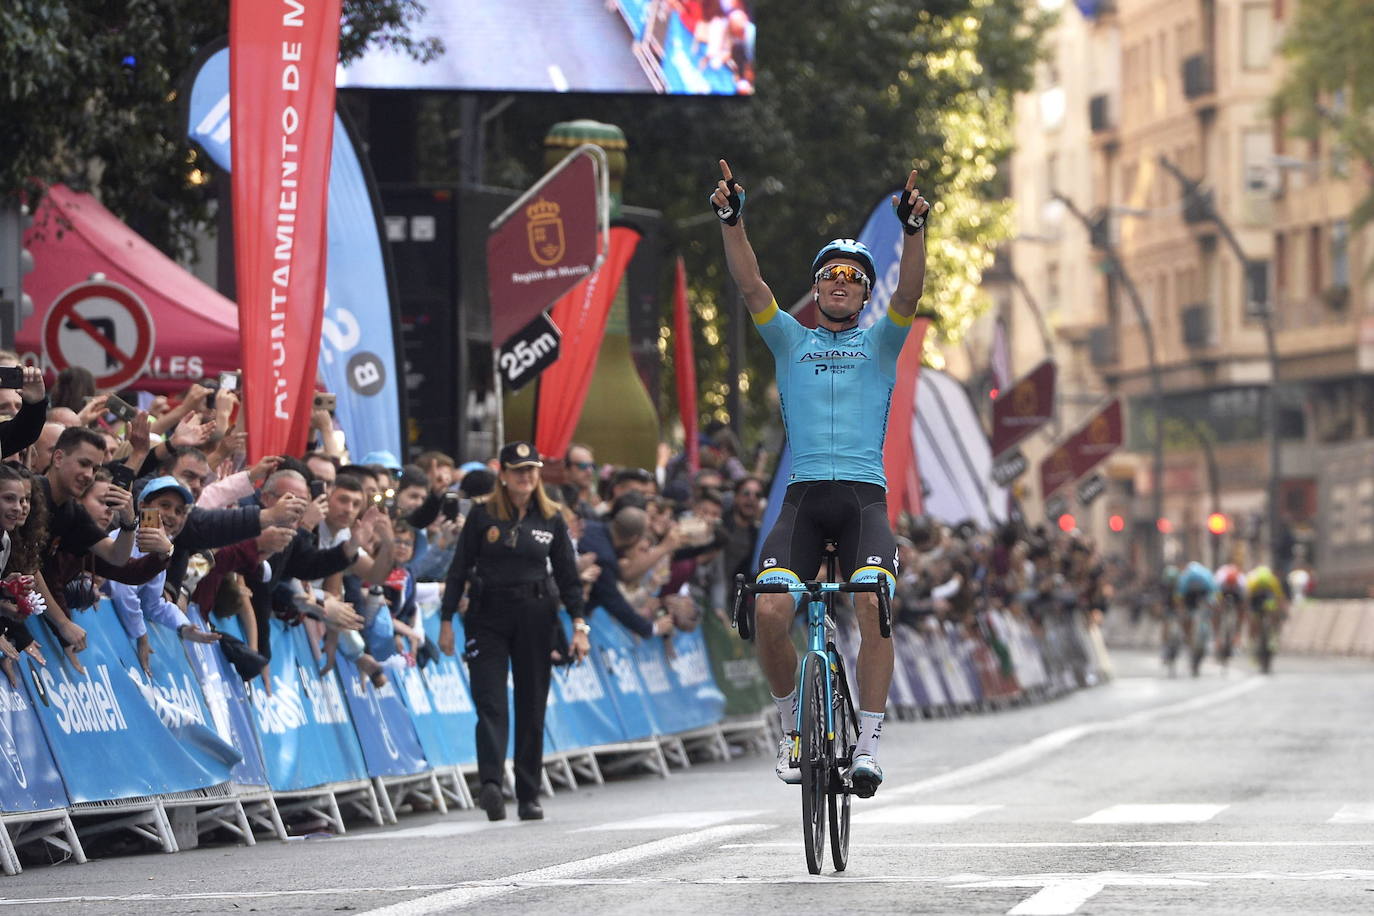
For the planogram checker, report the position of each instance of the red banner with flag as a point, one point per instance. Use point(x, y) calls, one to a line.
point(1023, 408)
point(899, 457)
point(685, 361)
point(282, 59)
point(581, 313)
point(1090, 444)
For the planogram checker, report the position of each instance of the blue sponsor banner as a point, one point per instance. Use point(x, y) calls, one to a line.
point(29, 780)
point(668, 709)
point(227, 700)
point(306, 733)
point(101, 716)
point(440, 701)
point(580, 713)
point(690, 665)
point(173, 691)
point(357, 346)
point(883, 235)
point(615, 651)
point(390, 745)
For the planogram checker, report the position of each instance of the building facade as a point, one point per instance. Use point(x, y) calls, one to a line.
point(1138, 99)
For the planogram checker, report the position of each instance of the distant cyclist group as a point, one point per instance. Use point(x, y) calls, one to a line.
point(1221, 611)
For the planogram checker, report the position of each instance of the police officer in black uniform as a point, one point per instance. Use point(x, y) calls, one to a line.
point(504, 554)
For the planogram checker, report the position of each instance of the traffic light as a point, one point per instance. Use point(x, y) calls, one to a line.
point(1116, 523)
point(1164, 525)
point(15, 262)
point(1218, 524)
point(1067, 522)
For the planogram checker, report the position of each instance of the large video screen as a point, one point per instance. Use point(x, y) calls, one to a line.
point(674, 47)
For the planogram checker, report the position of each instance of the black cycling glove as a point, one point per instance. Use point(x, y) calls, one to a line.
point(734, 204)
point(912, 223)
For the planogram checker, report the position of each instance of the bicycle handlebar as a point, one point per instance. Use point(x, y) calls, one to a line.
point(814, 589)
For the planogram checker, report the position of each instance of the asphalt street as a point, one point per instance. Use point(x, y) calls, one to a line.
point(1224, 794)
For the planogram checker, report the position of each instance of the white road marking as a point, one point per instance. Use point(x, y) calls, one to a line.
point(674, 820)
point(1058, 896)
point(211, 895)
point(1046, 744)
point(619, 859)
point(430, 831)
point(1153, 814)
point(560, 82)
point(1105, 844)
point(505, 885)
point(1353, 814)
point(922, 814)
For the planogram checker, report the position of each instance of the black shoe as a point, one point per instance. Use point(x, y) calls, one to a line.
point(491, 801)
point(531, 811)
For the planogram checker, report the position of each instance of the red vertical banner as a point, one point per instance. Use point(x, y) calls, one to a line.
point(582, 316)
point(685, 361)
point(282, 59)
point(899, 458)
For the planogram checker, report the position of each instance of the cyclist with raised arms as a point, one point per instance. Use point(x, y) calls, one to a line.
point(835, 383)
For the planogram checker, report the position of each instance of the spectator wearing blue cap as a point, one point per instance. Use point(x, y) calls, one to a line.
point(164, 505)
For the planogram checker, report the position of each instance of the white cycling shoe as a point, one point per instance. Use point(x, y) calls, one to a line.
point(786, 772)
point(865, 775)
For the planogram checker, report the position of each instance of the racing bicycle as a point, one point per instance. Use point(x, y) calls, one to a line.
point(827, 727)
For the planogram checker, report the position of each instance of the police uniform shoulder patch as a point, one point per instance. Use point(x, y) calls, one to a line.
point(493, 534)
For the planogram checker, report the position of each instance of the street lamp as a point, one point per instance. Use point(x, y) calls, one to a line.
point(1101, 240)
point(1192, 194)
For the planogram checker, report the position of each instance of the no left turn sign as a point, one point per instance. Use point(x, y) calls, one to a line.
point(103, 327)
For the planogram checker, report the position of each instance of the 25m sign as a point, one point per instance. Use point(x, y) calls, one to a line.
point(533, 349)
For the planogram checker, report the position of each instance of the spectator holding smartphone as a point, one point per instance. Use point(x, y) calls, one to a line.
point(71, 531)
point(164, 505)
point(21, 429)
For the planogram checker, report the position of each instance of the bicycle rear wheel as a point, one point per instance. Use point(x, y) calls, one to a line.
point(846, 737)
point(815, 764)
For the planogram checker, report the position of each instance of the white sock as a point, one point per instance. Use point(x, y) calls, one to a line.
point(787, 710)
point(870, 730)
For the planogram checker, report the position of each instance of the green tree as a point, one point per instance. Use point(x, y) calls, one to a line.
point(851, 94)
point(1329, 87)
point(88, 96)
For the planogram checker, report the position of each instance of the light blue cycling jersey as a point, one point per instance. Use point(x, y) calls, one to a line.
point(836, 389)
point(1196, 578)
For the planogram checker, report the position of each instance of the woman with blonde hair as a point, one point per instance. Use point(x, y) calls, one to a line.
point(505, 551)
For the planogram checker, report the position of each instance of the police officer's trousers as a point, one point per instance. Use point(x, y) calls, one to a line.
point(511, 627)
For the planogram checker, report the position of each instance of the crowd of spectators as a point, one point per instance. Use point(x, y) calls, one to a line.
point(950, 576)
point(157, 509)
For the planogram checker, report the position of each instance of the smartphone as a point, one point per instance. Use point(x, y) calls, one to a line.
point(229, 381)
point(316, 488)
point(325, 399)
point(11, 376)
point(149, 518)
point(449, 508)
point(120, 409)
point(121, 475)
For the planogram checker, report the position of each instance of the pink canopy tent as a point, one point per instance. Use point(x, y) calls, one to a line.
point(74, 238)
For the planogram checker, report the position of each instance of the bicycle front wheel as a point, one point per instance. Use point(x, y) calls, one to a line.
point(815, 764)
point(846, 737)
